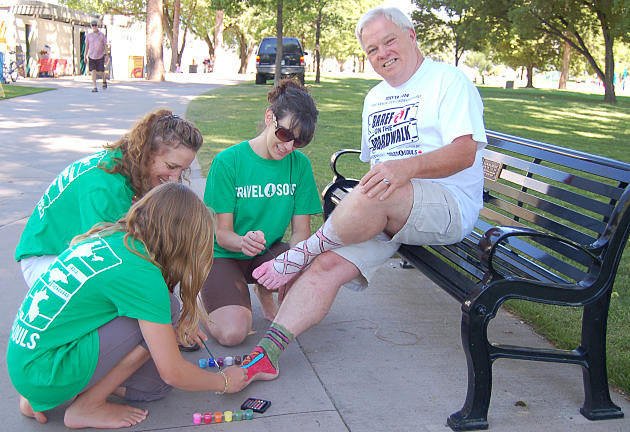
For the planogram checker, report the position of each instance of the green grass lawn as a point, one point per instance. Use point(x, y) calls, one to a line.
point(11, 91)
point(228, 115)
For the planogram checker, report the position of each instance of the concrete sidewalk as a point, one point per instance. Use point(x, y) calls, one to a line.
point(388, 359)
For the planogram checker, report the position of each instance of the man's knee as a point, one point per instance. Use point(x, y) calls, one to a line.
point(332, 265)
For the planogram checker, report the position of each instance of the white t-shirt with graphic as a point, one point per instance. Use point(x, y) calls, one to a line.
point(435, 106)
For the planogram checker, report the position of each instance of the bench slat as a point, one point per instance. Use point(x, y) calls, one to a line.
point(573, 177)
point(590, 163)
point(427, 262)
point(498, 218)
point(554, 209)
point(542, 222)
point(553, 191)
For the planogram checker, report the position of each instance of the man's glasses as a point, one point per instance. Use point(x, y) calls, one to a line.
point(285, 135)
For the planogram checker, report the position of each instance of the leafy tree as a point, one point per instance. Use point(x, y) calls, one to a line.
point(573, 21)
point(530, 53)
point(244, 29)
point(114, 7)
point(448, 25)
point(480, 61)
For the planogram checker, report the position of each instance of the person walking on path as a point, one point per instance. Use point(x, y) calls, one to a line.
point(100, 321)
point(95, 50)
point(422, 133)
point(258, 188)
point(101, 187)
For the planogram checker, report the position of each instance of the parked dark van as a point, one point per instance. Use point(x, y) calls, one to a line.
point(292, 59)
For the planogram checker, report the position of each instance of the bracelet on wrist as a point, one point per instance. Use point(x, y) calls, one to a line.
point(227, 383)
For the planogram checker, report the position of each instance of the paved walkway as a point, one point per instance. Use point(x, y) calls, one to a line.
point(388, 359)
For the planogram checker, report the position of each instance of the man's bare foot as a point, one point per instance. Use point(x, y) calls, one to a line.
point(269, 306)
point(106, 415)
point(274, 273)
point(27, 410)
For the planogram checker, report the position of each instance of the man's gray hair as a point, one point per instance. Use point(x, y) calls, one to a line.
point(393, 14)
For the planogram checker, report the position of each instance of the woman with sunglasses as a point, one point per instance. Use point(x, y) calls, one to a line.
point(258, 188)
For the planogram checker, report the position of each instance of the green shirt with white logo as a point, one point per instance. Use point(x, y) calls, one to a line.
point(83, 195)
point(54, 345)
point(262, 194)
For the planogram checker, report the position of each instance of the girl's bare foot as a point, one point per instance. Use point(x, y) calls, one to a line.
point(27, 410)
point(267, 302)
point(106, 415)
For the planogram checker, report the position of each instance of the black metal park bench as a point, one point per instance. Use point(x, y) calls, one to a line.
point(552, 230)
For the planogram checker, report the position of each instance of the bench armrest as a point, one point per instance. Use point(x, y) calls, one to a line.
point(335, 157)
point(495, 236)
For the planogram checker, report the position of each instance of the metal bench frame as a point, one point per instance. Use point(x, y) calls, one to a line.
point(552, 230)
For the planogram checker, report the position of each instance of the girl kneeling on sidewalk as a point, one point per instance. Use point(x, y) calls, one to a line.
point(100, 320)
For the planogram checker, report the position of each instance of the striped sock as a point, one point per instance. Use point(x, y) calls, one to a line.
point(275, 341)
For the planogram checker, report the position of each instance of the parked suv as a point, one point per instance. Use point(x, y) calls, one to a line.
point(292, 59)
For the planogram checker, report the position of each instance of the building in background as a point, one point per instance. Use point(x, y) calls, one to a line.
point(28, 28)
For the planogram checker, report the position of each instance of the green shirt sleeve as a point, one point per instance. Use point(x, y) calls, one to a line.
point(219, 192)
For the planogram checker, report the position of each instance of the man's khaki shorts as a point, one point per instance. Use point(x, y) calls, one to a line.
point(434, 220)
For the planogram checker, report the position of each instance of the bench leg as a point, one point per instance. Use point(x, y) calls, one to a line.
point(474, 413)
point(597, 402)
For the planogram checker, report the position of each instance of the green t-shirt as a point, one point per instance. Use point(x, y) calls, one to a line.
point(54, 345)
point(262, 194)
point(81, 196)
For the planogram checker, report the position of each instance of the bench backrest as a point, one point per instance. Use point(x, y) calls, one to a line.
point(578, 196)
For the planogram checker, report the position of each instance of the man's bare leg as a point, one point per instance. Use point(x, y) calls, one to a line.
point(313, 293)
point(357, 218)
point(267, 302)
point(306, 304)
point(91, 408)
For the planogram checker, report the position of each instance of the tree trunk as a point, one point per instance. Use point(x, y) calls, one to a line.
point(279, 43)
point(318, 31)
point(244, 50)
point(175, 38)
point(530, 76)
point(218, 34)
point(609, 67)
point(181, 51)
point(566, 60)
point(155, 62)
point(211, 52)
point(609, 63)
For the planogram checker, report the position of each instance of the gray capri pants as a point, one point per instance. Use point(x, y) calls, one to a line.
point(434, 219)
point(116, 339)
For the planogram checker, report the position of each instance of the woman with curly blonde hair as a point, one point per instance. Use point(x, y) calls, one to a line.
point(101, 187)
point(100, 320)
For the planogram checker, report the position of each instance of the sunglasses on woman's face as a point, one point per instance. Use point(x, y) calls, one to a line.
point(285, 135)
